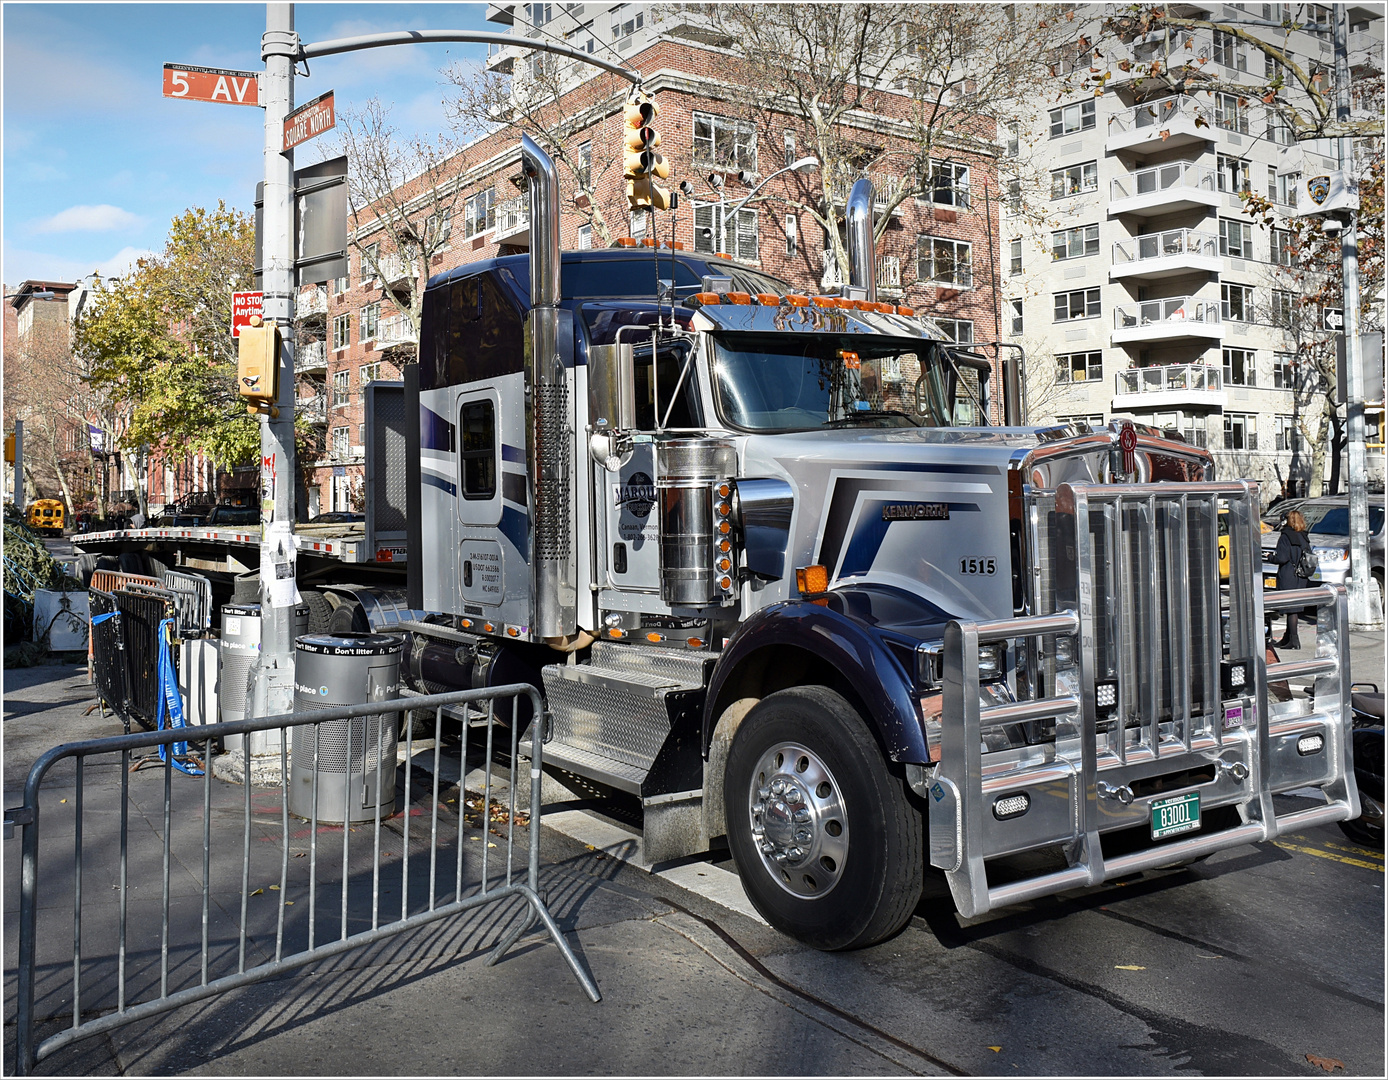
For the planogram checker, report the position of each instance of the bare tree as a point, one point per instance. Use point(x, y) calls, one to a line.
point(551, 99)
point(43, 388)
point(908, 94)
point(404, 196)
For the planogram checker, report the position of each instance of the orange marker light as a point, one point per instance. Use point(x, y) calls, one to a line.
point(726, 583)
point(488, 627)
point(467, 624)
point(850, 360)
point(724, 546)
point(769, 299)
point(625, 241)
point(812, 579)
point(740, 298)
point(702, 298)
point(905, 310)
point(724, 490)
point(724, 527)
point(796, 300)
point(694, 642)
point(617, 633)
point(654, 638)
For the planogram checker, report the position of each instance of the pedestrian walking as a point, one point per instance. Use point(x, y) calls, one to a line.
point(1295, 565)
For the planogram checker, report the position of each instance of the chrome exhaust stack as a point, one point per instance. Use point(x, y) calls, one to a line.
point(549, 432)
point(858, 216)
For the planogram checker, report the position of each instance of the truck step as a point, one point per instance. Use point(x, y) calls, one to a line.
point(686, 668)
point(605, 770)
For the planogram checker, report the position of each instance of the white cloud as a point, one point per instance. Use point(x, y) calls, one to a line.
point(102, 218)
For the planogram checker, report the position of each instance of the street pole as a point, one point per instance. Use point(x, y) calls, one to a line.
point(273, 684)
point(1364, 614)
point(18, 492)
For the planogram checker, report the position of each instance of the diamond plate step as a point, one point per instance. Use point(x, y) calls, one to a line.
point(586, 763)
point(686, 668)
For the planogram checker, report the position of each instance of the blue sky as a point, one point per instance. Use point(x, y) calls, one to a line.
point(97, 162)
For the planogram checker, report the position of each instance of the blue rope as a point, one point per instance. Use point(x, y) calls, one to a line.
point(170, 703)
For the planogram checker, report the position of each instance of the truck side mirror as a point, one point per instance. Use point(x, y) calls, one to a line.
point(611, 403)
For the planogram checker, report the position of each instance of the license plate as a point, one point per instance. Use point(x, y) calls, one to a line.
point(1176, 815)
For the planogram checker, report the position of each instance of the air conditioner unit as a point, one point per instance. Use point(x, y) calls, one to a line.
point(358, 451)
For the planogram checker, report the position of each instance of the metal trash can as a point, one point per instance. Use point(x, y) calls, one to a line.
point(331, 671)
point(240, 645)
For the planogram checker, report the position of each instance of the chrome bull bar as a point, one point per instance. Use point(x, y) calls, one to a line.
point(1097, 774)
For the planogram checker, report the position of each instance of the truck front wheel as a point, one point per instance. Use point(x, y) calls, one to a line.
point(828, 847)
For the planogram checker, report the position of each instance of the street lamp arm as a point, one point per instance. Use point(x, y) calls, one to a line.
point(802, 165)
point(475, 37)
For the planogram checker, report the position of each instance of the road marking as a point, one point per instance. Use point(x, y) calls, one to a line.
point(1328, 855)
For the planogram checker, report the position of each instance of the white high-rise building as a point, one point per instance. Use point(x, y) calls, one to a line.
point(1135, 276)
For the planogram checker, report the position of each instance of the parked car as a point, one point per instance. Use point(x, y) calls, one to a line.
point(1327, 527)
point(234, 515)
point(336, 517)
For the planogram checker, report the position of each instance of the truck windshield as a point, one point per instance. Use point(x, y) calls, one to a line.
point(799, 382)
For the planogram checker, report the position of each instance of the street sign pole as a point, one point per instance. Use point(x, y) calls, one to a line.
point(273, 685)
point(1364, 613)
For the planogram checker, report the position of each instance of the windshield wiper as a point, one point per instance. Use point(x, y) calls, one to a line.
point(870, 414)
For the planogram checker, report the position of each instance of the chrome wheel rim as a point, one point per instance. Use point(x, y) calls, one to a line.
point(799, 820)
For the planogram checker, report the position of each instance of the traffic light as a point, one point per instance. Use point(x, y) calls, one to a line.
point(642, 166)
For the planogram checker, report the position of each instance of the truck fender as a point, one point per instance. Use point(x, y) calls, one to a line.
point(842, 643)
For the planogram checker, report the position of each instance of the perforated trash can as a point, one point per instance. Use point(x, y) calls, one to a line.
point(240, 645)
point(331, 671)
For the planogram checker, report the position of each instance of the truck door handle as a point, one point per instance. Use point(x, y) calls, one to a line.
point(467, 573)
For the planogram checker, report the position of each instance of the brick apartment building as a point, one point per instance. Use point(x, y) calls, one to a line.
point(938, 254)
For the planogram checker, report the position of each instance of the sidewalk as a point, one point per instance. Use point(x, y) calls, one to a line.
point(678, 997)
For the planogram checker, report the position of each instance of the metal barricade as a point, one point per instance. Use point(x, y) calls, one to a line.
point(194, 594)
point(300, 900)
point(108, 654)
point(140, 616)
point(114, 580)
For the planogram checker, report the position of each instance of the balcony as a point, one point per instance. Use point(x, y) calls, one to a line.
point(393, 330)
point(832, 278)
point(1170, 123)
point(1172, 318)
point(395, 269)
point(1165, 254)
point(313, 409)
point(513, 222)
point(311, 359)
point(889, 273)
point(1163, 189)
point(1176, 386)
point(884, 189)
point(311, 303)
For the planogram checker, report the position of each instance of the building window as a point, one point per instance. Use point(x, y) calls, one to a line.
point(949, 184)
point(1230, 114)
point(1082, 424)
point(340, 389)
point(339, 444)
point(792, 232)
point(365, 374)
point(626, 20)
point(1229, 52)
point(583, 171)
point(539, 14)
point(1233, 174)
point(1237, 302)
point(1075, 180)
point(739, 238)
point(1235, 238)
point(945, 262)
point(1283, 310)
point(1284, 371)
point(370, 317)
point(341, 331)
point(585, 237)
point(340, 285)
point(1080, 304)
point(1288, 434)
point(477, 449)
point(1014, 140)
point(959, 331)
point(1014, 265)
point(479, 213)
point(1279, 131)
point(1283, 244)
point(1240, 367)
point(1076, 242)
point(1079, 367)
point(1015, 307)
point(1071, 118)
point(1014, 196)
point(1240, 431)
point(637, 223)
point(790, 149)
point(1282, 187)
point(725, 143)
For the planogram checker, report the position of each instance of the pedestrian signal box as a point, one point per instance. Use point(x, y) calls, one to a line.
point(9, 449)
point(258, 362)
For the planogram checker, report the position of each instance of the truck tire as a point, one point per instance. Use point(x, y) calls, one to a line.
point(829, 848)
point(245, 588)
point(320, 612)
point(133, 562)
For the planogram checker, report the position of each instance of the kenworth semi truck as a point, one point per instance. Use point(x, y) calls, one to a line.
point(778, 578)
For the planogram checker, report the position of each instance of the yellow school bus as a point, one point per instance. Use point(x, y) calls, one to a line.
point(46, 516)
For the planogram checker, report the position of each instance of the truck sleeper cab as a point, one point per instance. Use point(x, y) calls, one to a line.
point(776, 579)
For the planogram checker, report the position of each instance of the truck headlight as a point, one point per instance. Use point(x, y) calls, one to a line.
point(930, 667)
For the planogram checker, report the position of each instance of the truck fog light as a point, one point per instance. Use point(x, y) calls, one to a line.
point(1010, 806)
point(1309, 744)
point(1235, 676)
point(1064, 649)
point(991, 661)
point(1106, 695)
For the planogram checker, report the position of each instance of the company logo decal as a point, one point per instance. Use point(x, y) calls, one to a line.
point(637, 494)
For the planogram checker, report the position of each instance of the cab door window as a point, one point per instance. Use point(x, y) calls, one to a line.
point(477, 450)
